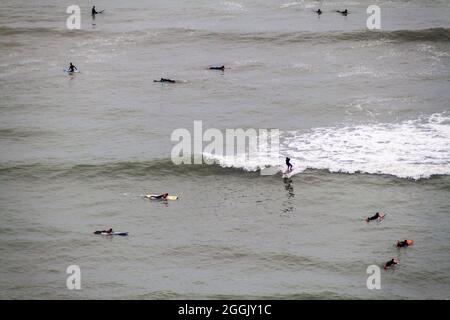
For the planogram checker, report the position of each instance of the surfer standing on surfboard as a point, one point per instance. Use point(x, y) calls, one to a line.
point(288, 163)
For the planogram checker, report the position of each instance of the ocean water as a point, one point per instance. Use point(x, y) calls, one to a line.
point(364, 115)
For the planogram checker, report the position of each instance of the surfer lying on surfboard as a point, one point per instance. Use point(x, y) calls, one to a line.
point(404, 243)
point(217, 68)
point(110, 231)
point(165, 80)
point(377, 216)
point(161, 196)
point(391, 263)
point(164, 197)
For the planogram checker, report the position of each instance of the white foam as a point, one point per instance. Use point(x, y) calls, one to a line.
point(302, 66)
point(360, 71)
point(411, 149)
point(300, 3)
point(291, 4)
point(233, 6)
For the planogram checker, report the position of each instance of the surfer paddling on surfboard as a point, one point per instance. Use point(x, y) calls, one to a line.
point(222, 67)
point(110, 232)
point(378, 216)
point(344, 13)
point(164, 196)
point(165, 80)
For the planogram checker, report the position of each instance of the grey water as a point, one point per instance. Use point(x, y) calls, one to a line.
point(365, 113)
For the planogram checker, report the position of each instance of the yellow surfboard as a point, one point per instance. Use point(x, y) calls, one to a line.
point(153, 197)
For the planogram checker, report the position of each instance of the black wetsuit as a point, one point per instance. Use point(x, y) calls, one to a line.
point(345, 12)
point(402, 243)
point(162, 196)
point(103, 231)
point(390, 263)
point(165, 80)
point(288, 163)
point(376, 216)
point(217, 68)
point(72, 68)
point(319, 12)
point(93, 11)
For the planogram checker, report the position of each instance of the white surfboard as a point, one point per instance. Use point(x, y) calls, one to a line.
point(66, 70)
point(290, 173)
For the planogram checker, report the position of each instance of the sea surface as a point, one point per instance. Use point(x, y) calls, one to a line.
point(363, 114)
